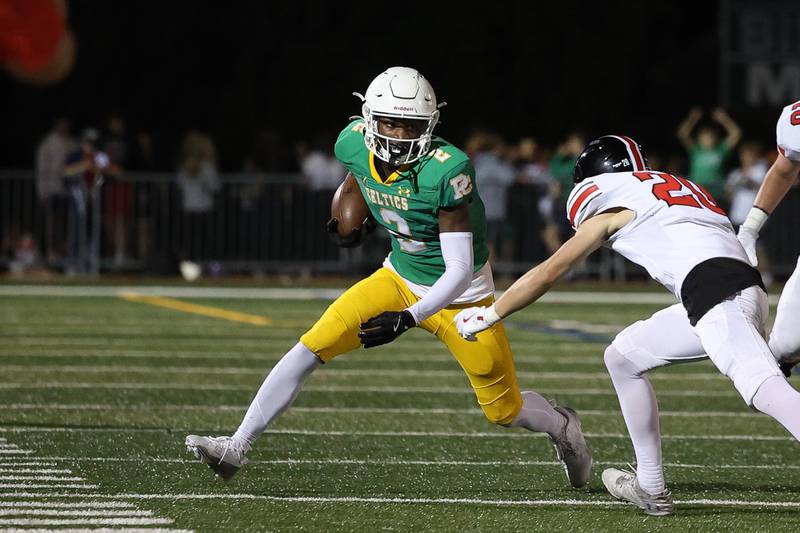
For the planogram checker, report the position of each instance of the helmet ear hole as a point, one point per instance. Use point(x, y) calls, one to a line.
point(577, 175)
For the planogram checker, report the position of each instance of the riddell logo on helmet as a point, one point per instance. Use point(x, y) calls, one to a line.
point(401, 108)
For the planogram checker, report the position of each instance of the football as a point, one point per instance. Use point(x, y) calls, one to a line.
point(349, 207)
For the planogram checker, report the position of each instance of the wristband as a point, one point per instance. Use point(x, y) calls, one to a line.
point(490, 315)
point(755, 219)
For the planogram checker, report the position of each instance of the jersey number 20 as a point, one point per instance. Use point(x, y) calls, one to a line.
point(697, 197)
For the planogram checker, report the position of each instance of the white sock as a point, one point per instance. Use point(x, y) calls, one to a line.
point(785, 336)
point(776, 398)
point(537, 414)
point(640, 410)
point(277, 393)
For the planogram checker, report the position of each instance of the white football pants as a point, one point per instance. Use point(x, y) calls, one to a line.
point(785, 337)
point(730, 334)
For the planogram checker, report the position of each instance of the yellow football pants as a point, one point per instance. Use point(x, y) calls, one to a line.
point(488, 362)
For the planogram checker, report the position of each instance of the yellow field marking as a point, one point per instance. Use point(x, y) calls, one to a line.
point(186, 307)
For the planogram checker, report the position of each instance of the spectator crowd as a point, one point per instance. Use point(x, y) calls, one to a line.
point(97, 197)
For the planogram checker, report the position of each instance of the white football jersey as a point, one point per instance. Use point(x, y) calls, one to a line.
point(677, 224)
point(788, 132)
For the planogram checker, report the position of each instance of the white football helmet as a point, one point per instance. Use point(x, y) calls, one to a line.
point(399, 92)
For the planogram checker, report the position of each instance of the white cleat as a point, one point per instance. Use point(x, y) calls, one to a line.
point(624, 486)
point(222, 454)
point(572, 450)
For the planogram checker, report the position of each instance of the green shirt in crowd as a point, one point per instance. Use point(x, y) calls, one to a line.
point(705, 167)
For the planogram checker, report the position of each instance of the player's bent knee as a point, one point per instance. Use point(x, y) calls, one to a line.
point(503, 409)
point(613, 360)
point(619, 365)
point(330, 336)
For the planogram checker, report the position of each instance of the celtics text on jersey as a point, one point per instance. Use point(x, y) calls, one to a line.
point(407, 202)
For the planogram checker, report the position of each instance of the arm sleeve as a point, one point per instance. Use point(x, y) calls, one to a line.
point(457, 277)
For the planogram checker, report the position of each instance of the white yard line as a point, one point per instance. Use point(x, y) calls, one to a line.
point(92, 513)
point(255, 293)
point(420, 462)
point(345, 388)
point(47, 486)
point(41, 478)
point(69, 505)
point(446, 501)
point(354, 410)
point(33, 471)
point(403, 434)
point(249, 371)
point(84, 521)
point(659, 298)
point(22, 480)
point(266, 361)
point(13, 461)
point(100, 530)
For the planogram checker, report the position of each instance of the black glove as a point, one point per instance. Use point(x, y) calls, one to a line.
point(385, 327)
point(355, 238)
point(786, 368)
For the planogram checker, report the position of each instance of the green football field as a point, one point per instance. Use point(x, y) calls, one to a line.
point(98, 394)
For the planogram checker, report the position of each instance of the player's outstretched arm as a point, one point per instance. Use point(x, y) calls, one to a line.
point(591, 234)
point(455, 236)
point(778, 181)
point(780, 178)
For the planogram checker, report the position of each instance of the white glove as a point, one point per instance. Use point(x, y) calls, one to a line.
point(748, 232)
point(748, 238)
point(473, 320)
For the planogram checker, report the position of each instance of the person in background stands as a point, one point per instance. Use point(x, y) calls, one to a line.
point(51, 156)
point(493, 176)
point(198, 181)
point(117, 195)
point(83, 172)
point(533, 170)
point(706, 153)
point(561, 167)
point(742, 186)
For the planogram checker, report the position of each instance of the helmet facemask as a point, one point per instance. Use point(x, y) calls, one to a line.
point(396, 151)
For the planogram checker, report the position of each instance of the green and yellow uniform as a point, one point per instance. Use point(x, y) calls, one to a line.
point(408, 201)
point(407, 204)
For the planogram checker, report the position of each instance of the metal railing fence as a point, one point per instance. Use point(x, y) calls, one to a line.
point(256, 224)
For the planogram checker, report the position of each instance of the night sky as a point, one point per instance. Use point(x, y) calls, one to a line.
point(520, 68)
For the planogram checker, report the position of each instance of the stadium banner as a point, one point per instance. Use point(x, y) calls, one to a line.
point(759, 53)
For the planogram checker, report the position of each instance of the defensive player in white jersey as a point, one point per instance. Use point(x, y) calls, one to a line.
point(672, 228)
point(784, 340)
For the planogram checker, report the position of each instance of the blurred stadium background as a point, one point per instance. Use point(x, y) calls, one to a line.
point(214, 123)
point(219, 123)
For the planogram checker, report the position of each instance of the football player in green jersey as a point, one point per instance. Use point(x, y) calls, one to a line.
point(422, 190)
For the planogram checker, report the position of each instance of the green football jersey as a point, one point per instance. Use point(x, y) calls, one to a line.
point(407, 203)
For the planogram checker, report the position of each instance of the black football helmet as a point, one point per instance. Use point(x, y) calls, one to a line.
point(610, 153)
